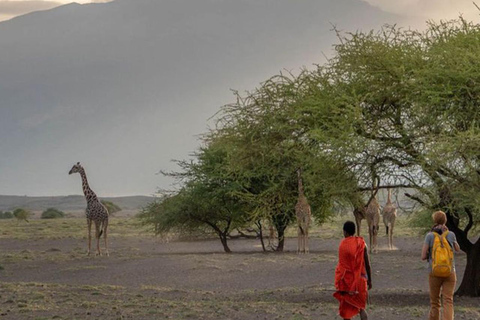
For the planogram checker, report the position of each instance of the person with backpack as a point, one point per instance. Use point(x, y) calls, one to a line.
point(438, 250)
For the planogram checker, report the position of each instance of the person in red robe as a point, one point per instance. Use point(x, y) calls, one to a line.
point(353, 274)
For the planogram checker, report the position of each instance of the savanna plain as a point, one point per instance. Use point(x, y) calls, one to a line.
point(46, 274)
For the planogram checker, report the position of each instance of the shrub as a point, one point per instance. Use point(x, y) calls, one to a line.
point(111, 207)
point(6, 215)
point(52, 213)
point(21, 214)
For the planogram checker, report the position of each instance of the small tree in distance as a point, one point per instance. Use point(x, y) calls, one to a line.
point(111, 207)
point(52, 213)
point(21, 214)
point(6, 215)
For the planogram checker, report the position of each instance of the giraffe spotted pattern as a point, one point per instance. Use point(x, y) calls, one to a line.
point(95, 212)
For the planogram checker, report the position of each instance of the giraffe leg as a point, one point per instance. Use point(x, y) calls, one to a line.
point(391, 235)
point(299, 239)
point(89, 229)
point(307, 249)
point(370, 236)
point(358, 221)
point(97, 236)
point(105, 226)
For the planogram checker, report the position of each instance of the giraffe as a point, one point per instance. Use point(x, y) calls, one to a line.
point(95, 212)
point(389, 214)
point(359, 209)
point(304, 216)
point(369, 211)
point(272, 237)
point(372, 214)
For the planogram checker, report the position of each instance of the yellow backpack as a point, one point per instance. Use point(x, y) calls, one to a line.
point(442, 256)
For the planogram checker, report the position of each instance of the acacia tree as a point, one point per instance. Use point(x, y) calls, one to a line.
point(409, 113)
point(206, 200)
point(269, 141)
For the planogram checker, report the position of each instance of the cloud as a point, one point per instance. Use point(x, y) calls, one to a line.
point(429, 9)
point(13, 8)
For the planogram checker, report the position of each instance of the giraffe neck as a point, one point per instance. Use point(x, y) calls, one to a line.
point(389, 199)
point(89, 194)
point(300, 184)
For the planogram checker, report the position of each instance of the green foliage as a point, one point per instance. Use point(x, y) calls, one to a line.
point(207, 201)
point(409, 103)
point(52, 213)
point(268, 135)
point(397, 104)
point(111, 207)
point(421, 220)
point(6, 215)
point(21, 214)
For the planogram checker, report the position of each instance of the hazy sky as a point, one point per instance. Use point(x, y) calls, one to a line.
point(429, 9)
point(12, 8)
point(127, 86)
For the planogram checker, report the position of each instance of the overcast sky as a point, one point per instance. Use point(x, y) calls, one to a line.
point(12, 8)
point(127, 86)
point(430, 9)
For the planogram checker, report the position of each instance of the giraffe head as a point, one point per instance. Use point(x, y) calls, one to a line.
point(76, 168)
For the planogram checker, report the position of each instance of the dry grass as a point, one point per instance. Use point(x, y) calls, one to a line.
point(74, 228)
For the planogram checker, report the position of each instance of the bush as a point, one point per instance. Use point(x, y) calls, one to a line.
point(111, 207)
point(52, 213)
point(21, 214)
point(6, 215)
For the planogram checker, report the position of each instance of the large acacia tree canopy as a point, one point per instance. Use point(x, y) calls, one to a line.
point(397, 104)
point(409, 108)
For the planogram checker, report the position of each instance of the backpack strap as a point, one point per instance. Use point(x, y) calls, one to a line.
point(444, 236)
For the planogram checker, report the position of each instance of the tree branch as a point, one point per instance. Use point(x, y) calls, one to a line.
point(470, 221)
point(415, 198)
point(387, 186)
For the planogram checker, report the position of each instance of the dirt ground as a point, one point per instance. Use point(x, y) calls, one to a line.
point(145, 278)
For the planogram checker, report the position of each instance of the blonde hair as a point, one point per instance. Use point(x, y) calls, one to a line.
point(439, 217)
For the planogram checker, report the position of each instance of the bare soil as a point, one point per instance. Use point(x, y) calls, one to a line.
point(145, 278)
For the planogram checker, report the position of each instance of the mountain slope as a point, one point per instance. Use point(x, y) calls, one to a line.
point(68, 203)
point(125, 86)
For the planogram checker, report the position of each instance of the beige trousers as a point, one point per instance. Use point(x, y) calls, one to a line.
point(445, 287)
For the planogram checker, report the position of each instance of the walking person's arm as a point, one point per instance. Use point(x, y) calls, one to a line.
point(425, 251)
point(455, 243)
point(368, 268)
point(456, 246)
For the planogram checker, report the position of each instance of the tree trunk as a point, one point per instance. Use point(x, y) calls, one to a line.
point(222, 235)
point(281, 221)
point(470, 285)
point(260, 234)
point(281, 239)
point(223, 239)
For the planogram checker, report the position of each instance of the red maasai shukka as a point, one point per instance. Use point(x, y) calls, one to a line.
point(350, 277)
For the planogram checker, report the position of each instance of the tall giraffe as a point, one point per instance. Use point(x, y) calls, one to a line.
point(95, 212)
point(369, 211)
point(360, 209)
point(373, 220)
point(304, 216)
point(389, 214)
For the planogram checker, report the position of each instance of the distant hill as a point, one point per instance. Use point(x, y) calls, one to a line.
point(68, 203)
point(126, 86)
